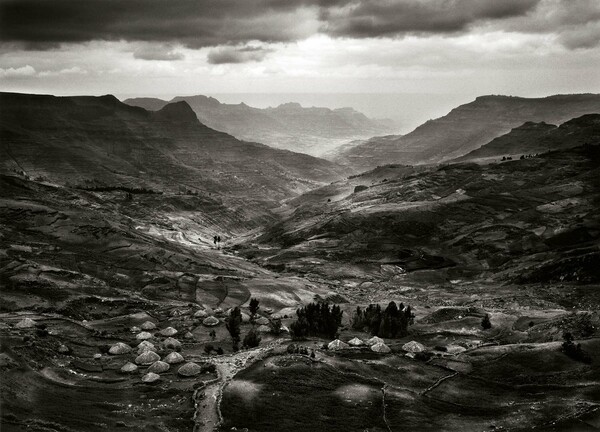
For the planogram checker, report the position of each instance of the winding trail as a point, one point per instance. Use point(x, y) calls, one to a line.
point(207, 398)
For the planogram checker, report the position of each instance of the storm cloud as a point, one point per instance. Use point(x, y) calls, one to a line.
point(225, 55)
point(45, 24)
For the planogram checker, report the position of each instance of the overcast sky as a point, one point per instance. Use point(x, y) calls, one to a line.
point(175, 47)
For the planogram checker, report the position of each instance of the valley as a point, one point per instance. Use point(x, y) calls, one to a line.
point(116, 300)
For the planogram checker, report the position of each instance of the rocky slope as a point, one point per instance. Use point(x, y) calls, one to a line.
point(533, 138)
point(288, 126)
point(465, 129)
point(531, 219)
point(99, 142)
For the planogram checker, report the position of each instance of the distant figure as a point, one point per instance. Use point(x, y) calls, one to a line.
point(215, 239)
point(218, 239)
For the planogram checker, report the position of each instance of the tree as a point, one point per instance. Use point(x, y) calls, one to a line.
point(233, 326)
point(275, 325)
point(486, 324)
point(254, 306)
point(317, 319)
point(252, 339)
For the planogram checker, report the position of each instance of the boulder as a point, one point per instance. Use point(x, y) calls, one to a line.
point(337, 345)
point(159, 367)
point(355, 342)
point(171, 343)
point(25, 323)
point(189, 369)
point(210, 321)
point(150, 377)
point(174, 358)
point(144, 336)
point(147, 358)
point(169, 331)
point(148, 325)
point(413, 347)
point(380, 348)
point(129, 367)
point(374, 340)
point(97, 356)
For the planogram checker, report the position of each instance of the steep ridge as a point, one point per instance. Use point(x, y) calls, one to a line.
point(530, 219)
point(466, 128)
point(100, 142)
point(288, 126)
point(532, 138)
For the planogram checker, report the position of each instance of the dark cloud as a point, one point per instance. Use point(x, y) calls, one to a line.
point(225, 55)
point(210, 23)
point(376, 18)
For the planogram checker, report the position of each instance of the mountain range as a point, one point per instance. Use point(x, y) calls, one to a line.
point(288, 126)
point(464, 129)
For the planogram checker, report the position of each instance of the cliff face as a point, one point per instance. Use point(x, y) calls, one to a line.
point(466, 128)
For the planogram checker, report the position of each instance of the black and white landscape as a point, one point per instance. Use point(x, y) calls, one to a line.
point(170, 261)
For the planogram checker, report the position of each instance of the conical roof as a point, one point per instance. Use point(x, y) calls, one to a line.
point(25, 323)
point(188, 335)
point(147, 358)
point(413, 346)
point(210, 321)
point(158, 367)
point(169, 331)
point(129, 367)
point(150, 377)
point(262, 321)
point(374, 340)
point(245, 317)
point(201, 314)
point(143, 336)
point(337, 345)
point(174, 358)
point(148, 325)
point(380, 348)
point(145, 346)
point(119, 348)
point(355, 342)
point(189, 369)
point(171, 343)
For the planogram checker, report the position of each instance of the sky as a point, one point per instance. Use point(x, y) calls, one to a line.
point(461, 48)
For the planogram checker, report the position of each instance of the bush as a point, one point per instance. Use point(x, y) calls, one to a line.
point(275, 325)
point(208, 348)
point(252, 339)
point(254, 306)
point(574, 351)
point(486, 324)
point(220, 351)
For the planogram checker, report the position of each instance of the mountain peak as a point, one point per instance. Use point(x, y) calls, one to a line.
point(178, 112)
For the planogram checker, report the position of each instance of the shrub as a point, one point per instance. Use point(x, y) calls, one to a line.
point(275, 325)
point(574, 351)
point(486, 324)
point(252, 339)
point(208, 348)
point(220, 351)
point(254, 306)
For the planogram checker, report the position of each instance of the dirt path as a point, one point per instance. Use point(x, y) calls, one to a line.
point(207, 399)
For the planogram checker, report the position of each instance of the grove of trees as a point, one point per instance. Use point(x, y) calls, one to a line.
point(317, 319)
point(389, 323)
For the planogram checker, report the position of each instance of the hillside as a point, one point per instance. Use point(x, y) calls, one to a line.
point(465, 129)
point(533, 138)
point(288, 126)
point(531, 219)
point(100, 142)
